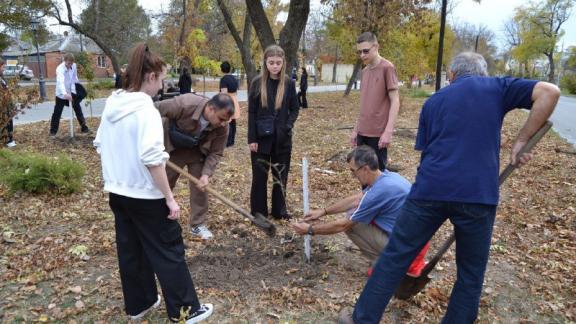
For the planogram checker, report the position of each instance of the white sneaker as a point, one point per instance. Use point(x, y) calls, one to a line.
point(201, 314)
point(202, 231)
point(144, 312)
point(11, 144)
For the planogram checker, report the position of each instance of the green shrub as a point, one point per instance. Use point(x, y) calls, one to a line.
point(568, 82)
point(103, 84)
point(418, 93)
point(39, 174)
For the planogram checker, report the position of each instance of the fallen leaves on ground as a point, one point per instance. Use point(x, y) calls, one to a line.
point(58, 258)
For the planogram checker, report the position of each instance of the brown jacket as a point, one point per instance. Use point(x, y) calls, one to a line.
point(186, 110)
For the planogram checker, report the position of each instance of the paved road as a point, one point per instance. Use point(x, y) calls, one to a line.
point(564, 118)
point(44, 110)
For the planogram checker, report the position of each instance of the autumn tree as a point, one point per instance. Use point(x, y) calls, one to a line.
point(288, 36)
point(377, 16)
point(540, 29)
point(478, 39)
point(119, 23)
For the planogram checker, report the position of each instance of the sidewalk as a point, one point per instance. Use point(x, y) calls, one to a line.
point(43, 111)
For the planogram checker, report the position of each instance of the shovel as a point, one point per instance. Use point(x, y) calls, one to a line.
point(410, 286)
point(258, 219)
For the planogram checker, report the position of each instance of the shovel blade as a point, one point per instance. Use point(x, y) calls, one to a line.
point(410, 286)
point(264, 224)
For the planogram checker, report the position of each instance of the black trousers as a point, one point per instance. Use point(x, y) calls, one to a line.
point(231, 132)
point(261, 164)
point(382, 153)
point(302, 99)
point(8, 131)
point(57, 114)
point(149, 243)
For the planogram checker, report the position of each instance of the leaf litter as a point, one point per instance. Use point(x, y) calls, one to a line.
point(58, 257)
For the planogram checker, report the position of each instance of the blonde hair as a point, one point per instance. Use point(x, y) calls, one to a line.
point(273, 51)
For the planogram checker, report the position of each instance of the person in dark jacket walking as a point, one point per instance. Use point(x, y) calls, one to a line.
point(272, 112)
point(6, 104)
point(303, 88)
point(185, 82)
point(229, 84)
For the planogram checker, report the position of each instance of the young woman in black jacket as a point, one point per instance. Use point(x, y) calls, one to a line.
point(272, 112)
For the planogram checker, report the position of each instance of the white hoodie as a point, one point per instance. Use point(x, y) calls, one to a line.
point(129, 139)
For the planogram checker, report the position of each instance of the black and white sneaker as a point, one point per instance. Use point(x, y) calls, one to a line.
point(201, 314)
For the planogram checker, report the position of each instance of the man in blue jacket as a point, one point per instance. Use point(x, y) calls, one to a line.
point(459, 136)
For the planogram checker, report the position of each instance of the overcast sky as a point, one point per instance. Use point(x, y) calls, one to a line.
point(492, 13)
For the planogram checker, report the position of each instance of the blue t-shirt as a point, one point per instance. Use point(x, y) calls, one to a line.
point(459, 136)
point(382, 201)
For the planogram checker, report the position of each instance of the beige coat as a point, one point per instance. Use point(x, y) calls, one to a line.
point(186, 110)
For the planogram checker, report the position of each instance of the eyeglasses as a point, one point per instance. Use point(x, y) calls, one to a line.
point(356, 170)
point(364, 51)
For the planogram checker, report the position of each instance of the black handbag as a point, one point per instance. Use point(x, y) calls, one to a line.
point(180, 139)
point(265, 125)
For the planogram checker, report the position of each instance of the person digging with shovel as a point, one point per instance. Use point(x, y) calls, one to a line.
point(195, 134)
point(459, 136)
point(372, 212)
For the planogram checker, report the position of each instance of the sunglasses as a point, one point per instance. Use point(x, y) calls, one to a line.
point(364, 51)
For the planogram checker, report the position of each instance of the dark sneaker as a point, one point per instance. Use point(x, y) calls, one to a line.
point(85, 130)
point(201, 314)
point(144, 312)
point(345, 316)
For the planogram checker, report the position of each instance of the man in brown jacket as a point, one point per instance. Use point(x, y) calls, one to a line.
point(195, 134)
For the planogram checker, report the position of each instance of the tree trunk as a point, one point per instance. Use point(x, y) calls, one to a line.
point(551, 76)
point(243, 44)
point(353, 78)
point(70, 22)
point(441, 45)
point(182, 36)
point(334, 67)
point(290, 33)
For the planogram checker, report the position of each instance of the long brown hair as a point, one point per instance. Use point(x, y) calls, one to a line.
point(277, 51)
point(141, 61)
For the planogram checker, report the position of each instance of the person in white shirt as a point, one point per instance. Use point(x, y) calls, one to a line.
point(66, 79)
point(148, 236)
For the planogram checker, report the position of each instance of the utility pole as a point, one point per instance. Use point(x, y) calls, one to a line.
point(441, 45)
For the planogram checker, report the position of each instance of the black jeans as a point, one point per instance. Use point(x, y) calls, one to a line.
point(149, 243)
point(231, 133)
point(57, 114)
point(261, 164)
point(382, 153)
point(302, 99)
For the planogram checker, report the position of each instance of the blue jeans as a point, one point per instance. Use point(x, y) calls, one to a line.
point(416, 224)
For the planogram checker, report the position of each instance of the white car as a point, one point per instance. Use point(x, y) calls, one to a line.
point(24, 72)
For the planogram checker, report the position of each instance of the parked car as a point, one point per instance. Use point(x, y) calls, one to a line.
point(23, 72)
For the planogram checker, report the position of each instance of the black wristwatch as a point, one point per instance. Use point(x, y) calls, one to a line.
point(310, 230)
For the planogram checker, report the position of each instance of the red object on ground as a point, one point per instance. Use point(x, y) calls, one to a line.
point(418, 264)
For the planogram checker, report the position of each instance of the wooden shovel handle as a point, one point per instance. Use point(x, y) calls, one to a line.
point(503, 176)
point(210, 190)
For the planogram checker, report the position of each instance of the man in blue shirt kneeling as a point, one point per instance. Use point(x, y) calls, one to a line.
point(459, 136)
point(371, 213)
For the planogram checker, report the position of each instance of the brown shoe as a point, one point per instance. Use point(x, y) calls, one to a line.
point(345, 316)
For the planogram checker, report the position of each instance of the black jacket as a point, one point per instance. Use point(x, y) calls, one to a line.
point(185, 83)
point(304, 82)
point(284, 120)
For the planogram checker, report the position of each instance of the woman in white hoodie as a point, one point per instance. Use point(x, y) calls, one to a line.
point(148, 236)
